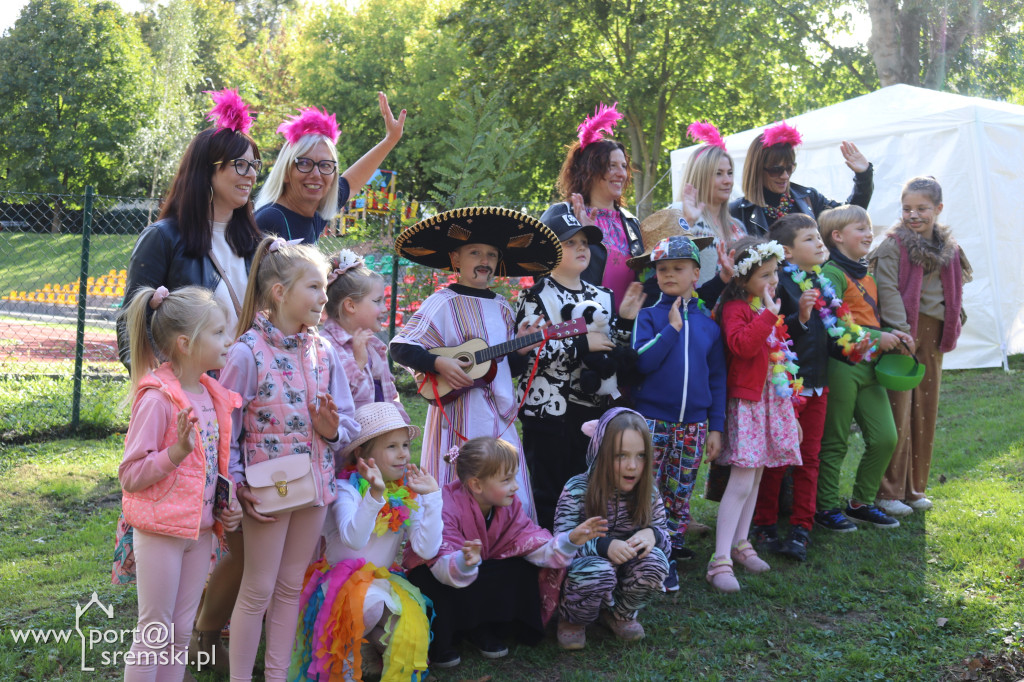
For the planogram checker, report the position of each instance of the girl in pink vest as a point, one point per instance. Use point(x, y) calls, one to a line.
point(177, 442)
point(295, 401)
point(920, 270)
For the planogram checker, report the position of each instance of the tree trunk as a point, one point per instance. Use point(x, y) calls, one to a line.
point(885, 44)
point(58, 209)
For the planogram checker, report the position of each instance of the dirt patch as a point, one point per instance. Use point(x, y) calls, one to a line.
point(1003, 667)
point(24, 341)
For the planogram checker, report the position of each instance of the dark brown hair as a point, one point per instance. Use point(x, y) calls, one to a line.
point(784, 230)
point(583, 167)
point(735, 290)
point(601, 486)
point(188, 200)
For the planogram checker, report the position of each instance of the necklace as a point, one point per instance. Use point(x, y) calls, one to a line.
point(785, 207)
point(783, 371)
point(399, 502)
point(834, 314)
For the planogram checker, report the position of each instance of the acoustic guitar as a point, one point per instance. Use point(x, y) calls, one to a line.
point(478, 358)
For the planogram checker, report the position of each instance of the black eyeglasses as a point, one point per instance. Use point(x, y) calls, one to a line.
point(242, 166)
point(777, 171)
point(306, 165)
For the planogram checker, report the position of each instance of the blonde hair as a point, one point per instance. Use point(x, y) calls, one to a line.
point(700, 172)
point(758, 158)
point(355, 283)
point(483, 457)
point(273, 188)
point(601, 488)
point(153, 334)
point(268, 268)
point(835, 219)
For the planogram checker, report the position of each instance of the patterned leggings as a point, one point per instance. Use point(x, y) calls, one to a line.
point(593, 582)
point(678, 450)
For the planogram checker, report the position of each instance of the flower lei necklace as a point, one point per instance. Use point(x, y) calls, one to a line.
point(399, 502)
point(783, 371)
point(834, 313)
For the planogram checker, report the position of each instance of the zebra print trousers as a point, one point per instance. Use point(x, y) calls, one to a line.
point(594, 581)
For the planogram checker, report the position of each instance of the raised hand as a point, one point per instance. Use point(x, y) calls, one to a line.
point(675, 318)
point(186, 436)
point(579, 209)
point(632, 301)
point(594, 527)
point(725, 261)
point(471, 552)
point(692, 206)
point(325, 416)
point(642, 542)
point(806, 304)
point(359, 344)
point(419, 481)
point(854, 159)
point(393, 126)
point(772, 304)
point(367, 468)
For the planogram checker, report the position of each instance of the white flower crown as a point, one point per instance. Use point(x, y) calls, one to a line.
point(759, 254)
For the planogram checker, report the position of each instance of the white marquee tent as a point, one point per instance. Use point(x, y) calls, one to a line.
point(973, 146)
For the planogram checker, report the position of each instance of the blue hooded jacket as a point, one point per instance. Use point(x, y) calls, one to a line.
point(664, 362)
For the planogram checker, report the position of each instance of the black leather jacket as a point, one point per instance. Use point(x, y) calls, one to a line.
point(158, 259)
point(598, 252)
point(807, 199)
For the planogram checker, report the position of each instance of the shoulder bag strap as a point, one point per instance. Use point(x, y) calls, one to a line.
point(227, 283)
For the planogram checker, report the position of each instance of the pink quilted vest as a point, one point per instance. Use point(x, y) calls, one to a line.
point(291, 372)
point(174, 505)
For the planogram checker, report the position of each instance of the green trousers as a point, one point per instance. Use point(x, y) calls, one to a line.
point(854, 394)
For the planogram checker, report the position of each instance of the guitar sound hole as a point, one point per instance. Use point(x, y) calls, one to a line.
point(465, 359)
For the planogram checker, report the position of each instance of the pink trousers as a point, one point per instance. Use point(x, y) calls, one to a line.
point(276, 557)
point(171, 575)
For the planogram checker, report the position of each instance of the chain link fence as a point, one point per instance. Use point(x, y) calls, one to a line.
point(64, 260)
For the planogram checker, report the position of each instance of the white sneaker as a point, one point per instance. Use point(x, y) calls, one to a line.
point(920, 504)
point(894, 507)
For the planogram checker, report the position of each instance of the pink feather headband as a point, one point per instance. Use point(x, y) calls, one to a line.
point(702, 131)
point(310, 121)
point(229, 111)
point(781, 134)
point(604, 119)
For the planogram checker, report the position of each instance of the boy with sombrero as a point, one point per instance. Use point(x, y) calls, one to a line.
point(682, 396)
point(478, 243)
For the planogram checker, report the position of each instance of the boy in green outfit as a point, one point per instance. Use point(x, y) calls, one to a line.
point(853, 391)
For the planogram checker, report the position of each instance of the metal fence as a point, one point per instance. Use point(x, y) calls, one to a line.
point(63, 262)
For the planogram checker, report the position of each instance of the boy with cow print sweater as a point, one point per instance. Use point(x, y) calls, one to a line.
point(556, 406)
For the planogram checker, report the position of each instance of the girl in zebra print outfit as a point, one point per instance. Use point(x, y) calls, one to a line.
point(613, 577)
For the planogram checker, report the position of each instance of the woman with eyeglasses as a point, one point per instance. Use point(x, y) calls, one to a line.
point(304, 190)
point(206, 236)
point(768, 193)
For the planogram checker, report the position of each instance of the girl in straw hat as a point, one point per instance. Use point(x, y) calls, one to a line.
point(477, 243)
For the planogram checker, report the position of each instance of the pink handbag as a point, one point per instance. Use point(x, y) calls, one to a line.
point(282, 484)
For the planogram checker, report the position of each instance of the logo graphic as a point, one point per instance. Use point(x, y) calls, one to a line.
point(79, 612)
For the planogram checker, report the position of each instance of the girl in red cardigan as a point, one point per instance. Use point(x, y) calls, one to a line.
point(760, 425)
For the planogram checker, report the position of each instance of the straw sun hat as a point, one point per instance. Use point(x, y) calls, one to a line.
point(661, 225)
point(376, 419)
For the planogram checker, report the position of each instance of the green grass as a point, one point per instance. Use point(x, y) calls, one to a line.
point(865, 605)
point(32, 406)
point(32, 260)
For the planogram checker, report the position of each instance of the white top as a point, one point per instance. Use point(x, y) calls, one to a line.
point(350, 521)
point(234, 270)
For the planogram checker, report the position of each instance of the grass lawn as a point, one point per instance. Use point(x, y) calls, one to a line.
point(939, 598)
point(32, 260)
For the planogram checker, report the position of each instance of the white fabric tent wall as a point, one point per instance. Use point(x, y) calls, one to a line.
point(974, 148)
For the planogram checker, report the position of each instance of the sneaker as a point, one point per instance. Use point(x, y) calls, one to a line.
point(833, 519)
point(682, 554)
point(894, 507)
point(626, 630)
point(743, 553)
point(448, 658)
point(571, 636)
point(765, 538)
point(671, 582)
point(920, 504)
point(795, 544)
point(489, 644)
point(871, 514)
point(721, 575)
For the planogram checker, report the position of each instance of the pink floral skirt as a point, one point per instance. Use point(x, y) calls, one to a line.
point(761, 434)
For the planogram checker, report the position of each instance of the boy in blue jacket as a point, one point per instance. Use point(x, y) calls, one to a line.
point(682, 395)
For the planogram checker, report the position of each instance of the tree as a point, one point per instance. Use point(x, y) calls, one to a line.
point(920, 42)
point(72, 80)
point(666, 62)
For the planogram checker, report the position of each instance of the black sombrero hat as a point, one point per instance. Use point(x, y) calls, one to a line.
point(527, 246)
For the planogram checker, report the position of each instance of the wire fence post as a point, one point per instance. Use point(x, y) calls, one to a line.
point(83, 292)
